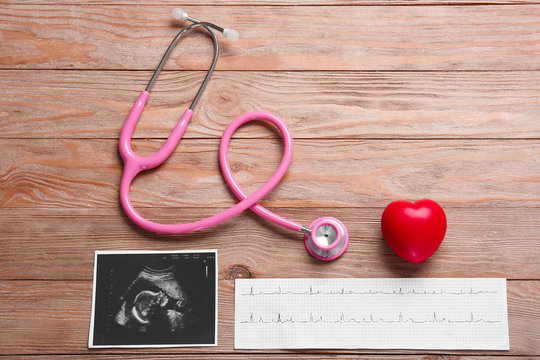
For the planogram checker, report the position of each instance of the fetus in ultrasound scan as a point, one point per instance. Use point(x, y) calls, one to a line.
point(154, 302)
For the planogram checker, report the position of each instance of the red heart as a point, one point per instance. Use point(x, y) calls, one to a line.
point(414, 231)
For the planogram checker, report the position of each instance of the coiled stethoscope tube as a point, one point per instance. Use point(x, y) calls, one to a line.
point(326, 238)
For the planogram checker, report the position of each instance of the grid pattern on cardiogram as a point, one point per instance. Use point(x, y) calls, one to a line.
point(371, 313)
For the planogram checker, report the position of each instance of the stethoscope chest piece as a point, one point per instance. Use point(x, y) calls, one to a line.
point(328, 238)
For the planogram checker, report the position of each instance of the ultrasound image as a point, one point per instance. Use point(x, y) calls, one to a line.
point(157, 299)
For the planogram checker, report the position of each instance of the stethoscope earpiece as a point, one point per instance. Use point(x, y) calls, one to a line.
point(228, 33)
point(327, 239)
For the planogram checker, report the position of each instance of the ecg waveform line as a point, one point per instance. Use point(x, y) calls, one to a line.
point(342, 291)
point(279, 319)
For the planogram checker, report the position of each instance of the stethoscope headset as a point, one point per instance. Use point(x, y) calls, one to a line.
point(326, 238)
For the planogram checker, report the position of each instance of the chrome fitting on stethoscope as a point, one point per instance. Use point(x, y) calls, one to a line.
point(305, 230)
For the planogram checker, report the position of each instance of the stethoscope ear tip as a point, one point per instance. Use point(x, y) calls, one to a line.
point(179, 14)
point(231, 34)
point(328, 238)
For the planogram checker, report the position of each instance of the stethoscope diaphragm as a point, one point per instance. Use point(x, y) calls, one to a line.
point(328, 238)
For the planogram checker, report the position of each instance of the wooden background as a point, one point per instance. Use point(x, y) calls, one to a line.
point(386, 100)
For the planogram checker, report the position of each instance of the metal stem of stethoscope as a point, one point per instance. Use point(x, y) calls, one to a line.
point(326, 238)
point(170, 49)
point(182, 15)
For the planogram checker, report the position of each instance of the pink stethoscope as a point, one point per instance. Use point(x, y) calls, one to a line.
point(326, 238)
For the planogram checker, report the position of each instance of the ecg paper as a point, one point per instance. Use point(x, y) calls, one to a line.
point(410, 313)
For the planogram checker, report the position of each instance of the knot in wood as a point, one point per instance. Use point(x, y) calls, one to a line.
point(224, 101)
point(239, 272)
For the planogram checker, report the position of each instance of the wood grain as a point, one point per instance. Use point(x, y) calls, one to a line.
point(340, 173)
point(92, 104)
point(314, 38)
point(65, 324)
point(387, 100)
point(192, 3)
point(310, 356)
point(59, 244)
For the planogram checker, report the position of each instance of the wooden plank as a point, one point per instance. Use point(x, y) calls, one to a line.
point(340, 173)
point(275, 38)
point(92, 104)
point(192, 3)
point(59, 244)
point(63, 327)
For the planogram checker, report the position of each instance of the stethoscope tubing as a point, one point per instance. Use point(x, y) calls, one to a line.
point(134, 164)
point(274, 180)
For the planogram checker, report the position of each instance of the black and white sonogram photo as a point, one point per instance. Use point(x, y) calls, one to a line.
point(154, 299)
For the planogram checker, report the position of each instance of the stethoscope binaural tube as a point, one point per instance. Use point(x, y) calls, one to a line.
point(326, 239)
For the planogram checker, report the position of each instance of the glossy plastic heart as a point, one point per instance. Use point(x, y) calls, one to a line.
point(414, 230)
